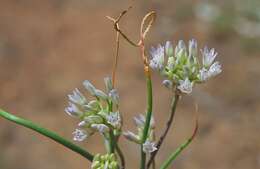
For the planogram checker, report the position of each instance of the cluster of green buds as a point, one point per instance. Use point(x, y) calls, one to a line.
point(96, 115)
point(107, 161)
point(149, 145)
point(181, 67)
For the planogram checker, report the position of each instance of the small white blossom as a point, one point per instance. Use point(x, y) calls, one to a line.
point(193, 47)
point(167, 83)
point(77, 97)
point(89, 87)
point(114, 96)
point(149, 147)
point(108, 83)
point(73, 110)
point(100, 94)
point(168, 49)
point(203, 75)
point(102, 128)
point(114, 119)
point(131, 136)
point(208, 56)
point(180, 49)
point(79, 135)
point(140, 121)
point(214, 69)
point(185, 86)
point(157, 55)
point(83, 123)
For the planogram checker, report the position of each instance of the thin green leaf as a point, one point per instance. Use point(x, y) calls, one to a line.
point(52, 135)
point(177, 152)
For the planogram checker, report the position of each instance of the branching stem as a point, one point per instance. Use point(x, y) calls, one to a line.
point(167, 128)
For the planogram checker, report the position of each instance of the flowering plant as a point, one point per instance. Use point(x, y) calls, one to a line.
point(181, 68)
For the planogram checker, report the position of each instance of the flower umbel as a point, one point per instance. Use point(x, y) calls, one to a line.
point(95, 115)
point(183, 69)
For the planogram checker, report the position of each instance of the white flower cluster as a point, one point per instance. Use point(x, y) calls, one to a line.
point(149, 145)
point(181, 66)
point(94, 115)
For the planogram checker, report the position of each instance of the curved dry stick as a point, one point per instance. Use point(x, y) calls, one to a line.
point(150, 18)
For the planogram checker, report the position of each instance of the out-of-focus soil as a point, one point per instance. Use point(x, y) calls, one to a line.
point(47, 48)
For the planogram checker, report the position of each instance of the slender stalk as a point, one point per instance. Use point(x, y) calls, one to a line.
point(111, 138)
point(111, 142)
point(50, 134)
point(173, 156)
point(178, 151)
point(167, 128)
point(148, 119)
point(153, 165)
point(121, 156)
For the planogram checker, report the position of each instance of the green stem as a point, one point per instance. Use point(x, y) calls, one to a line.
point(111, 140)
point(177, 152)
point(173, 156)
point(148, 119)
point(174, 103)
point(52, 135)
point(121, 156)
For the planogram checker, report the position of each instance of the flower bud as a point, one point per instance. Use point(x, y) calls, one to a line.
point(131, 137)
point(108, 83)
point(100, 94)
point(168, 49)
point(89, 87)
point(193, 48)
point(113, 95)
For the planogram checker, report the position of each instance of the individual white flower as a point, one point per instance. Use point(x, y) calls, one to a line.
point(193, 48)
point(167, 83)
point(114, 96)
point(214, 69)
point(185, 86)
point(77, 97)
point(149, 147)
point(100, 94)
point(83, 123)
point(157, 58)
point(108, 83)
point(79, 135)
point(180, 49)
point(140, 121)
point(73, 110)
point(102, 128)
point(168, 49)
point(203, 75)
point(114, 119)
point(208, 56)
point(89, 87)
point(131, 136)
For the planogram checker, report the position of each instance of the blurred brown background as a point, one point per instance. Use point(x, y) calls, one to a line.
point(48, 47)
